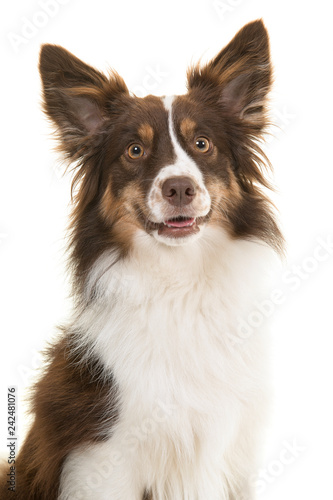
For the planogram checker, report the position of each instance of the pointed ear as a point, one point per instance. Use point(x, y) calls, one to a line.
point(76, 96)
point(240, 75)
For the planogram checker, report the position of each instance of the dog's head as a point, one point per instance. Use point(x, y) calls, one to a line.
point(168, 166)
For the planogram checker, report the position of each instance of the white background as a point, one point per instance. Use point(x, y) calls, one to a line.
point(138, 38)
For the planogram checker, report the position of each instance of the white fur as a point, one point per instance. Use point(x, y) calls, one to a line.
point(192, 401)
point(183, 166)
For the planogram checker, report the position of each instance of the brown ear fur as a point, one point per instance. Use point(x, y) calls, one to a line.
point(242, 74)
point(77, 97)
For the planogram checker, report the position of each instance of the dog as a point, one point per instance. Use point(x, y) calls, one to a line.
point(153, 390)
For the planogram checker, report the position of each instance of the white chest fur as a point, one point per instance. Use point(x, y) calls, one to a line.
point(166, 321)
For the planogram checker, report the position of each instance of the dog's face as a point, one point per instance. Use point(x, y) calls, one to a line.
point(168, 166)
point(167, 173)
point(156, 177)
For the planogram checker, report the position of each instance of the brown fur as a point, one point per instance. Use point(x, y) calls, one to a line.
point(146, 132)
point(187, 128)
point(73, 400)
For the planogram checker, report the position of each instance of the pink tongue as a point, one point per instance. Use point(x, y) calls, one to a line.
point(180, 223)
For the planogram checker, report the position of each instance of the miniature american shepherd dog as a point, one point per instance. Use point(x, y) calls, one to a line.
point(153, 391)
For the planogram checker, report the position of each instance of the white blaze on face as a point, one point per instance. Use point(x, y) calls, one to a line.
point(183, 166)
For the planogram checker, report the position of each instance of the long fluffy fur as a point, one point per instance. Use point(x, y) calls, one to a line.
point(154, 391)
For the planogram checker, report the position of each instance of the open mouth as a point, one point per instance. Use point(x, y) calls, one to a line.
point(180, 222)
point(176, 227)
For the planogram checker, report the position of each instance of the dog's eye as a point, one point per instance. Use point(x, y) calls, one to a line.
point(135, 151)
point(202, 144)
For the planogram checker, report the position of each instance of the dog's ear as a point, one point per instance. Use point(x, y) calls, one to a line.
point(77, 97)
point(239, 76)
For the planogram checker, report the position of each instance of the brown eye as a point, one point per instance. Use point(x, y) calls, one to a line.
point(202, 144)
point(135, 151)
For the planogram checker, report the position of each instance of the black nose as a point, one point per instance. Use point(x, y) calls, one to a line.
point(178, 191)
